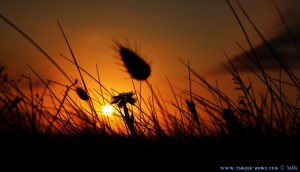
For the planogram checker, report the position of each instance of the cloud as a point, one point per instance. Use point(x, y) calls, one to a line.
point(281, 43)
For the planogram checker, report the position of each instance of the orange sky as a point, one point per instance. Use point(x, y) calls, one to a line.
point(198, 31)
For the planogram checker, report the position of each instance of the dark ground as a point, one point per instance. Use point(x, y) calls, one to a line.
point(58, 154)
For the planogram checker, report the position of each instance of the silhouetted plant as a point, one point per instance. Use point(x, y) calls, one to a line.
point(233, 125)
point(191, 105)
point(121, 101)
point(82, 94)
point(136, 66)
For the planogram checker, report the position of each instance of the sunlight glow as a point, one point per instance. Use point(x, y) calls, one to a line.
point(107, 110)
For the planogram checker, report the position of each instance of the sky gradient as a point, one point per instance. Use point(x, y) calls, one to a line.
point(161, 31)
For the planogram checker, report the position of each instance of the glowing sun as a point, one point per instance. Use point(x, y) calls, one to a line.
point(107, 109)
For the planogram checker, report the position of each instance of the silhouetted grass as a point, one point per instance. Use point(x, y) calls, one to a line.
point(264, 126)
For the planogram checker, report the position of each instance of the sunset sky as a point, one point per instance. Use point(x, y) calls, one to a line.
point(162, 31)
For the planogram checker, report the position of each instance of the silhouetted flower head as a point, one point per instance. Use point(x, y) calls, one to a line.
point(123, 98)
point(136, 66)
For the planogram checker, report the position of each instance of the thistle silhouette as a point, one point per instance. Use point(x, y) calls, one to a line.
point(121, 100)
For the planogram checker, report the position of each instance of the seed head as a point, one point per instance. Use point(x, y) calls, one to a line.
point(136, 66)
point(82, 93)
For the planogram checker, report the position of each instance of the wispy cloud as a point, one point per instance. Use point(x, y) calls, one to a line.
point(281, 43)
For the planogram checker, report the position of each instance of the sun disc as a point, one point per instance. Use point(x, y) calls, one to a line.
point(107, 110)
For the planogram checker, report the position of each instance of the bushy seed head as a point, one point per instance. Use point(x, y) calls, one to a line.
point(136, 66)
point(82, 93)
point(228, 115)
point(191, 106)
